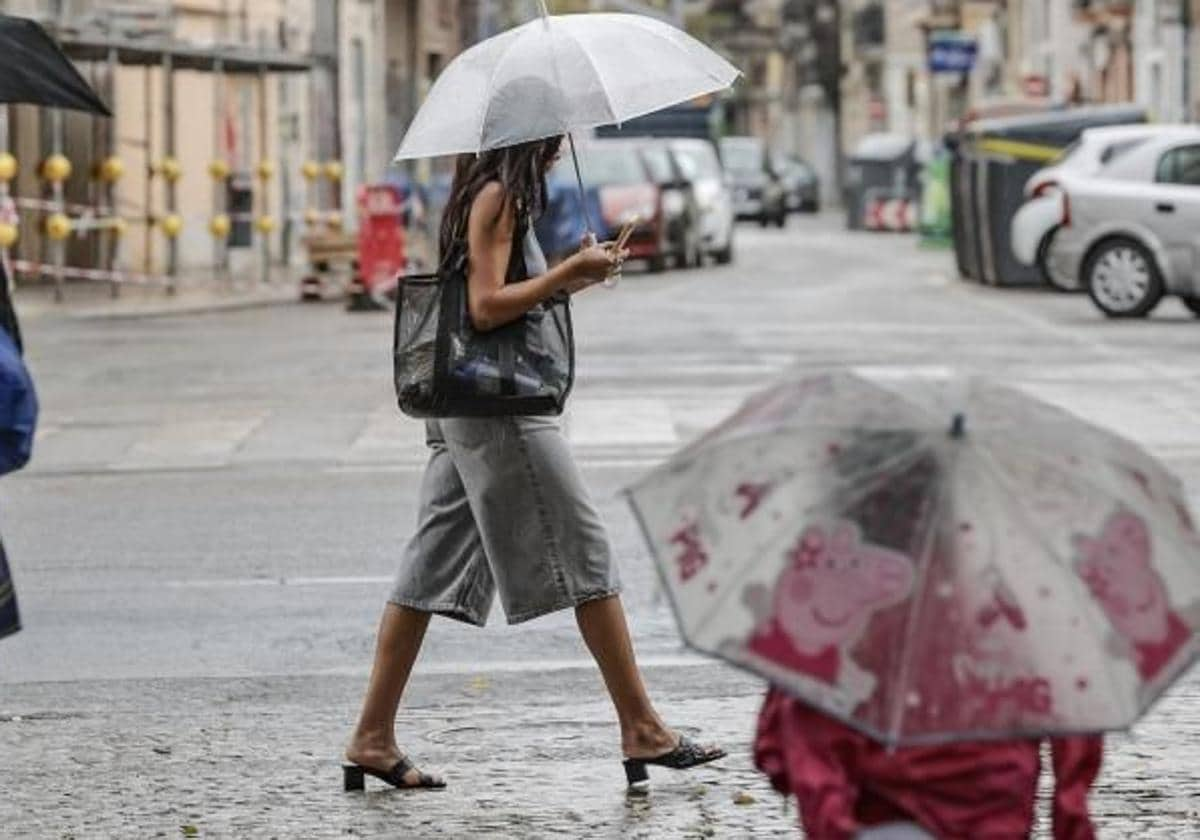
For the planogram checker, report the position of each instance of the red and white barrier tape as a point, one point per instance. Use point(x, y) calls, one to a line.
point(127, 277)
point(99, 211)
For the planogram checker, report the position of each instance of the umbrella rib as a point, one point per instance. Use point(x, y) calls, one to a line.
point(1012, 499)
point(918, 590)
point(595, 69)
point(487, 100)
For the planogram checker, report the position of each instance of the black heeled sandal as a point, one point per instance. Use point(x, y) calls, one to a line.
point(687, 755)
point(354, 777)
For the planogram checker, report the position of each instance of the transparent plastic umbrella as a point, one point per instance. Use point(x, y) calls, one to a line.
point(558, 74)
point(930, 560)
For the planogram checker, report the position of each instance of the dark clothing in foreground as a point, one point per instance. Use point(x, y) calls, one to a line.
point(844, 781)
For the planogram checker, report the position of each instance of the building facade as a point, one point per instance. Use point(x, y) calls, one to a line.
point(256, 88)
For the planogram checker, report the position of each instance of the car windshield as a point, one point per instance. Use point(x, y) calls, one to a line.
point(742, 156)
point(658, 161)
point(698, 162)
point(611, 167)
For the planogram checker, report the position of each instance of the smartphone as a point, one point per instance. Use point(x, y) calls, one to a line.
point(626, 232)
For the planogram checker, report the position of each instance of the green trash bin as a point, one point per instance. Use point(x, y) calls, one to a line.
point(936, 219)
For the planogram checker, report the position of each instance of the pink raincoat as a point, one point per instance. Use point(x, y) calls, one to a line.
point(844, 781)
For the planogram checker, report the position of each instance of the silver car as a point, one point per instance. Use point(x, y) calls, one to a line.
point(1131, 233)
point(1034, 226)
point(700, 164)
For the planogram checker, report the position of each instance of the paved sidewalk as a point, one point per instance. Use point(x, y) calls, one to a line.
point(195, 294)
point(528, 754)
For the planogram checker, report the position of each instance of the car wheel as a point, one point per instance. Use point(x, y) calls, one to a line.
point(1122, 279)
point(764, 220)
point(1043, 265)
point(1193, 305)
point(725, 255)
point(781, 219)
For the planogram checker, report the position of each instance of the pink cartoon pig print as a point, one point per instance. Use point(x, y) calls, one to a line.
point(1116, 568)
point(822, 601)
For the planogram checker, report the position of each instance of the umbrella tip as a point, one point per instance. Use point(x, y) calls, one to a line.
point(958, 426)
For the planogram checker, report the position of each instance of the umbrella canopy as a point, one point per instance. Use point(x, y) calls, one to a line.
point(34, 70)
point(559, 74)
point(930, 561)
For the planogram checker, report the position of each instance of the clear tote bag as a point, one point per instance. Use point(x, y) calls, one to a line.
point(444, 367)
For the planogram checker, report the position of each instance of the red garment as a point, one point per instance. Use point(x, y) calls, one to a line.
point(844, 781)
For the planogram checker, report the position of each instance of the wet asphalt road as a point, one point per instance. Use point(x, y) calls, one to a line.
point(217, 504)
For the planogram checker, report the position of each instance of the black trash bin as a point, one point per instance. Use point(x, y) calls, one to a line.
point(992, 161)
point(883, 166)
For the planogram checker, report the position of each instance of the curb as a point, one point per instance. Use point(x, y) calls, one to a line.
point(163, 309)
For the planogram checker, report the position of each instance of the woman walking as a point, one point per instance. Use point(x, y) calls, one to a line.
point(502, 504)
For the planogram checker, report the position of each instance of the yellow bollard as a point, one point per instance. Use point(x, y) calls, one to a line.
point(8, 166)
point(219, 226)
point(335, 221)
point(265, 224)
point(266, 170)
point(171, 169)
point(171, 225)
point(311, 170)
point(219, 170)
point(334, 170)
point(58, 226)
point(56, 169)
point(110, 170)
point(312, 217)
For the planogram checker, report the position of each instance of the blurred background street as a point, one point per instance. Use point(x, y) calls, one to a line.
point(222, 483)
point(218, 502)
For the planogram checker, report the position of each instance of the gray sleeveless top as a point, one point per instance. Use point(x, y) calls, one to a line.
point(535, 260)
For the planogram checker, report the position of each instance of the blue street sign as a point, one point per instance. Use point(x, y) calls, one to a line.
point(951, 53)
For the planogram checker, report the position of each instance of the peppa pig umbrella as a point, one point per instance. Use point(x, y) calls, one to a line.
point(930, 560)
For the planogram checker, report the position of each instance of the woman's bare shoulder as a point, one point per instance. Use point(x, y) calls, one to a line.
point(491, 205)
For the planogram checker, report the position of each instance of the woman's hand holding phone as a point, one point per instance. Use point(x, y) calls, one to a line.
point(595, 263)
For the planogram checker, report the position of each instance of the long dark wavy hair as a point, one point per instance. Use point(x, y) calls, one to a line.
point(521, 171)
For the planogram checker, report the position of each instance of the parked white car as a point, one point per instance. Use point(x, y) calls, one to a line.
point(700, 164)
point(1131, 233)
point(1035, 224)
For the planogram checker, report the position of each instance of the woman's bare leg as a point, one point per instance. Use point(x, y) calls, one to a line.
point(643, 733)
point(373, 744)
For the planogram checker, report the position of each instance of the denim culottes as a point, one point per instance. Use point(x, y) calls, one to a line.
point(503, 506)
